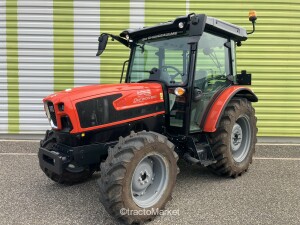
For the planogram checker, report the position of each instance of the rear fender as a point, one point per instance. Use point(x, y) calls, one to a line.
point(216, 110)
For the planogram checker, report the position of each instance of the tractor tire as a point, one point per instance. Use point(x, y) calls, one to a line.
point(233, 143)
point(139, 174)
point(67, 177)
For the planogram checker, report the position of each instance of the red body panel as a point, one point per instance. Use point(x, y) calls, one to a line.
point(133, 95)
point(217, 107)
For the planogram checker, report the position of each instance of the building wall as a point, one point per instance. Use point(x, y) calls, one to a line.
point(50, 45)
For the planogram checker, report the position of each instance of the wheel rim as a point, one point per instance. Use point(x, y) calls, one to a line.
point(241, 138)
point(149, 180)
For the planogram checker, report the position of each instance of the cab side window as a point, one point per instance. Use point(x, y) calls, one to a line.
point(212, 61)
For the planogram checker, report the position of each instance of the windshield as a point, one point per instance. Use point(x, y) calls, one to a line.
point(164, 59)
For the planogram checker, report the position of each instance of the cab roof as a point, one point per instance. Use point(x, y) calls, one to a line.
point(191, 25)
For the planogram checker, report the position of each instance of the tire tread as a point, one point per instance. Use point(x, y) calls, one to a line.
point(219, 139)
point(118, 158)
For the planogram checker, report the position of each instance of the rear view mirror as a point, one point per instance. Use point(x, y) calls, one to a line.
point(102, 43)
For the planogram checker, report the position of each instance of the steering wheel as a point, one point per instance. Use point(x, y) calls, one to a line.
point(178, 72)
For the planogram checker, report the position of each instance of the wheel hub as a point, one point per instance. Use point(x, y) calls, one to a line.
point(241, 138)
point(236, 137)
point(149, 180)
point(142, 177)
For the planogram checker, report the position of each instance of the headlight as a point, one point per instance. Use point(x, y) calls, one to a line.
point(52, 124)
point(47, 111)
point(50, 112)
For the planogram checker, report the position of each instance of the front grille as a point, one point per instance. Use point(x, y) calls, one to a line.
point(99, 111)
point(96, 111)
point(52, 112)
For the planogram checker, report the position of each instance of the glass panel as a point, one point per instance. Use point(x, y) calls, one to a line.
point(171, 59)
point(212, 68)
point(169, 56)
point(144, 59)
point(177, 109)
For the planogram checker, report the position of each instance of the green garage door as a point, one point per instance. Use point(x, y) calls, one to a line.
point(47, 46)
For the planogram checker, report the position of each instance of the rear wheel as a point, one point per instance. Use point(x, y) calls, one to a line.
point(69, 175)
point(233, 144)
point(139, 173)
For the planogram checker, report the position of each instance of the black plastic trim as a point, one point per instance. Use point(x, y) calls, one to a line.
point(100, 111)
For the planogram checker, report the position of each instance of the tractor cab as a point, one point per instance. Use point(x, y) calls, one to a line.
point(193, 57)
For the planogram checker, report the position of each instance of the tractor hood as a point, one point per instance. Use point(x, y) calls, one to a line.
point(100, 106)
point(87, 92)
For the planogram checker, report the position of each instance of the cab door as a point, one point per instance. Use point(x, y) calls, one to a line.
point(212, 69)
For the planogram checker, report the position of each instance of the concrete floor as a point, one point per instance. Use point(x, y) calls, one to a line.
point(269, 193)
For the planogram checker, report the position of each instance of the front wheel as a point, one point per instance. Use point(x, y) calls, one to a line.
point(138, 174)
point(233, 143)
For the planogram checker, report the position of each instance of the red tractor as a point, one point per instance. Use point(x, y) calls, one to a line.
point(182, 98)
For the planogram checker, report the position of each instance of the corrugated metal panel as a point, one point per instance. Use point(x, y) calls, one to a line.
point(35, 56)
point(271, 54)
point(114, 18)
point(51, 45)
point(162, 11)
point(3, 73)
point(63, 44)
point(10, 48)
point(86, 32)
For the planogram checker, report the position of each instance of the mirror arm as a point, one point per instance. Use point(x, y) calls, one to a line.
point(114, 37)
point(119, 39)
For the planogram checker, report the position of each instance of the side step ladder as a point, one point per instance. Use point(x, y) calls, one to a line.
point(202, 151)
